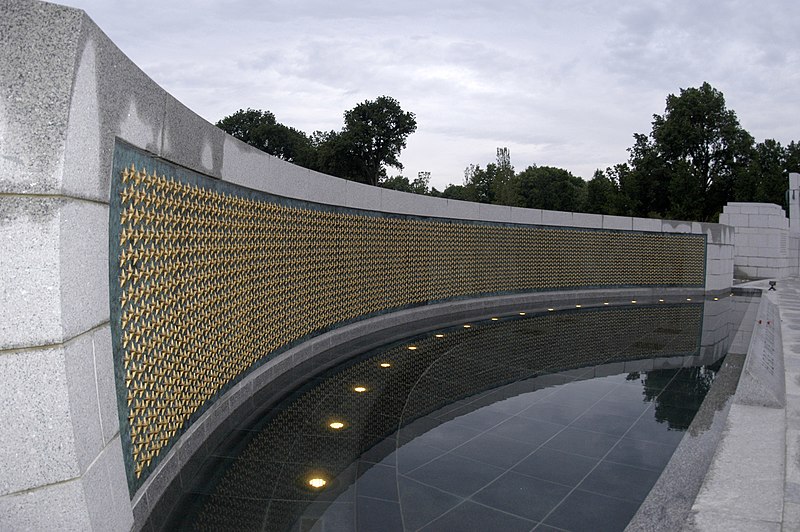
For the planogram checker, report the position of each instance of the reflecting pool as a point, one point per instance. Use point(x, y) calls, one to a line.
point(558, 420)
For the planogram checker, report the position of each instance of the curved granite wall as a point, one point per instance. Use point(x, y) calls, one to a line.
point(68, 99)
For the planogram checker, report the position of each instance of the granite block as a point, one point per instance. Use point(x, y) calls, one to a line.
point(674, 226)
point(494, 213)
point(37, 444)
point(106, 491)
point(84, 266)
point(190, 141)
point(745, 479)
point(361, 196)
point(37, 58)
point(84, 409)
point(467, 210)
point(57, 507)
point(594, 221)
point(408, 203)
point(526, 216)
point(30, 291)
point(762, 381)
point(100, 112)
point(246, 166)
point(617, 222)
point(557, 218)
point(106, 385)
point(647, 224)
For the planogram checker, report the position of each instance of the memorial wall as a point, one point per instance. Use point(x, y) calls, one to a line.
point(150, 265)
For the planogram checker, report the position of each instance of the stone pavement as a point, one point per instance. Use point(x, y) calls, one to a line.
point(753, 482)
point(789, 302)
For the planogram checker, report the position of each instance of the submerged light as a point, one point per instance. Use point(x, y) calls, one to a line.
point(360, 389)
point(336, 425)
point(317, 482)
point(385, 365)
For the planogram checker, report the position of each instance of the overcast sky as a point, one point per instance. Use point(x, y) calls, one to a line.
point(560, 83)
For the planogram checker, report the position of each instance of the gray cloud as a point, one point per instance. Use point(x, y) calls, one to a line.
point(560, 83)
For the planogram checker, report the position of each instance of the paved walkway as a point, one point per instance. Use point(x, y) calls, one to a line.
point(753, 482)
point(789, 302)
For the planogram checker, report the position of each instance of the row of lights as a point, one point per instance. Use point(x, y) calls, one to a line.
point(319, 482)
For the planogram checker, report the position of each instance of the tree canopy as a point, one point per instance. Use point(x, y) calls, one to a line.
point(374, 134)
point(261, 130)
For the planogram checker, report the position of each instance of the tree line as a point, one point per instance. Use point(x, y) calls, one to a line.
point(374, 133)
point(696, 158)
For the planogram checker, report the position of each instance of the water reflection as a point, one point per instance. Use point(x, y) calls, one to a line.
point(454, 430)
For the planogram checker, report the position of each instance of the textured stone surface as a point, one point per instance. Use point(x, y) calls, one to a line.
point(101, 111)
point(37, 445)
point(30, 302)
point(361, 196)
point(105, 491)
point(191, 141)
point(84, 408)
point(647, 224)
point(556, 218)
point(84, 266)
point(762, 382)
point(58, 507)
point(745, 480)
point(617, 222)
point(36, 70)
point(106, 387)
point(494, 213)
point(526, 216)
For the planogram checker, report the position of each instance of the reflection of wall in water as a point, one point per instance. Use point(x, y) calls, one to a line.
point(440, 371)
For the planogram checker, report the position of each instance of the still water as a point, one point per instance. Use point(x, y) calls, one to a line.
point(556, 421)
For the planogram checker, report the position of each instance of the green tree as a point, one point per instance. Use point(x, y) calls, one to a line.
point(458, 192)
point(698, 149)
point(496, 183)
point(478, 183)
point(375, 132)
point(261, 130)
point(421, 184)
point(397, 182)
point(601, 195)
point(767, 176)
point(504, 184)
point(546, 187)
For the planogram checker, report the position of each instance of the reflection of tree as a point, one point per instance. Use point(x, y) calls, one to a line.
point(678, 393)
